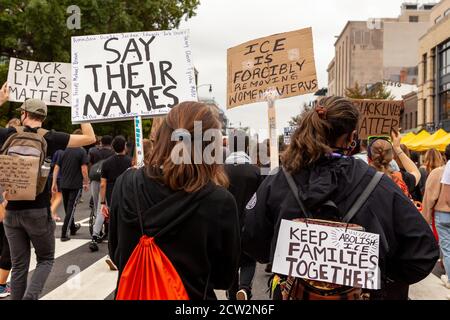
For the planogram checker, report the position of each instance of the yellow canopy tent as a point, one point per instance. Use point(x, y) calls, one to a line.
point(416, 141)
point(408, 137)
point(423, 144)
point(441, 143)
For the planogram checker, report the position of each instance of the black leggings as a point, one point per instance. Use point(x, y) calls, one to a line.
point(5, 255)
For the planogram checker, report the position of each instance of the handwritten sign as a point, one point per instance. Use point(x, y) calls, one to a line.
point(287, 134)
point(378, 117)
point(283, 63)
point(47, 81)
point(328, 254)
point(123, 75)
point(18, 176)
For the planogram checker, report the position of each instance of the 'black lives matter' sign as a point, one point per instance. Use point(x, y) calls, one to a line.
point(378, 117)
point(120, 76)
point(47, 81)
point(281, 64)
point(329, 254)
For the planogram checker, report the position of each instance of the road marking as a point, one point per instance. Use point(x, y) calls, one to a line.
point(93, 283)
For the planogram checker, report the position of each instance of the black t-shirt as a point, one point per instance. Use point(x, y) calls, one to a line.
point(410, 180)
point(55, 141)
point(112, 168)
point(70, 164)
point(97, 154)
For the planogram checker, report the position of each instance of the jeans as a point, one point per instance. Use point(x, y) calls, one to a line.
point(442, 220)
point(99, 219)
point(21, 227)
point(70, 199)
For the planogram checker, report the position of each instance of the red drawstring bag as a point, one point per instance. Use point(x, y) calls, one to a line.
point(149, 274)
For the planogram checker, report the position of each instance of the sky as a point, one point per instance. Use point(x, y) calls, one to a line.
point(221, 24)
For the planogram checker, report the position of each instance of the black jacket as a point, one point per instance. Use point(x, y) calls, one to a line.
point(206, 243)
point(408, 250)
point(244, 181)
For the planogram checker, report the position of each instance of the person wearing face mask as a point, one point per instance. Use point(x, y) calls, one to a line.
point(317, 163)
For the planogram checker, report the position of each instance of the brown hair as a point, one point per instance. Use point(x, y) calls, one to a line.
point(318, 130)
point(187, 177)
point(36, 117)
point(380, 155)
point(433, 159)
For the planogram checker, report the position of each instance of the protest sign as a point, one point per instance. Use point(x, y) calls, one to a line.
point(120, 76)
point(288, 132)
point(283, 63)
point(329, 254)
point(18, 176)
point(47, 81)
point(378, 117)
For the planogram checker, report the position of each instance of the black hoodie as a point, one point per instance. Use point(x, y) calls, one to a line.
point(408, 250)
point(206, 244)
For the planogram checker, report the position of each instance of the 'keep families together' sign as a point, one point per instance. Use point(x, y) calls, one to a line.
point(117, 76)
point(329, 254)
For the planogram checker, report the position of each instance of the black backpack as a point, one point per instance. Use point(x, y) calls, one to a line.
point(95, 173)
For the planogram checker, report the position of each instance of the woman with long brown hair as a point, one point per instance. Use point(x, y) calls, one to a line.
point(204, 247)
point(433, 159)
point(320, 180)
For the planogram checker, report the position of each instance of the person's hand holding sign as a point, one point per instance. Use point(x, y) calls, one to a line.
point(4, 93)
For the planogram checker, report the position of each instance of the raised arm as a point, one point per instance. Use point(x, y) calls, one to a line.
point(408, 164)
point(85, 139)
point(4, 93)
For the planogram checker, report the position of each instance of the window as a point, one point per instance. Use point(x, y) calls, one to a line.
point(425, 67)
point(444, 59)
point(406, 121)
point(413, 18)
point(415, 123)
point(410, 120)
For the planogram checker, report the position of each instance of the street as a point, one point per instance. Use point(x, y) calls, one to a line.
point(79, 274)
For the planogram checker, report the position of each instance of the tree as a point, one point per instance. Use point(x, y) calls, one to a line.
point(378, 91)
point(37, 30)
point(295, 119)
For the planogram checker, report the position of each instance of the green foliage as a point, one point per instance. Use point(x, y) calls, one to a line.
point(379, 91)
point(37, 30)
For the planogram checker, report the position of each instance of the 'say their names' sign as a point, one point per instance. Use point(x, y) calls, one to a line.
point(119, 76)
point(328, 254)
point(282, 64)
point(46, 81)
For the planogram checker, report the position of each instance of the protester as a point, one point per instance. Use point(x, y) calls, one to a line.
point(97, 156)
point(112, 168)
point(381, 152)
point(433, 160)
point(442, 217)
point(317, 161)
point(5, 255)
point(411, 174)
point(204, 247)
point(74, 177)
point(56, 199)
point(244, 180)
point(362, 154)
point(31, 220)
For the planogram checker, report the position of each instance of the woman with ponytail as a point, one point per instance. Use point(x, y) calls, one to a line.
point(329, 182)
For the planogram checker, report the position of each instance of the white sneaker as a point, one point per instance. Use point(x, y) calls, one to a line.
point(241, 295)
point(444, 279)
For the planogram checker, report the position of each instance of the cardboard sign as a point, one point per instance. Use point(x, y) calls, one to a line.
point(329, 254)
point(120, 76)
point(18, 176)
point(283, 63)
point(378, 117)
point(47, 81)
point(287, 134)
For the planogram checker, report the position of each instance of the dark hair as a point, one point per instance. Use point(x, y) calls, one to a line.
point(36, 117)
point(318, 131)
point(119, 144)
point(106, 140)
point(239, 141)
point(447, 152)
point(189, 177)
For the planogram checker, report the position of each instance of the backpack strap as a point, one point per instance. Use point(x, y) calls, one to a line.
point(363, 197)
point(295, 191)
point(20, 129)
